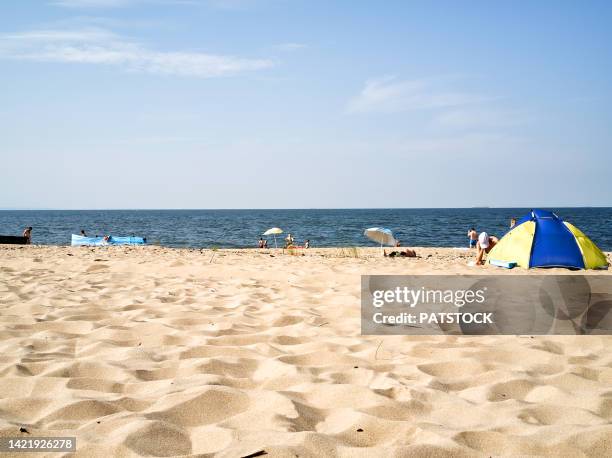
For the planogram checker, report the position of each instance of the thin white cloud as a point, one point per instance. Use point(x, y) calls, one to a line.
point(389, 95)
point(91, 3)
point(100, 46)
point(93, 21)
point(100, 4)
point(290, 46)
point(233, 5)
point(89, 35)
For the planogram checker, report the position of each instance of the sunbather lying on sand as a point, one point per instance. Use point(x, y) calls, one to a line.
point(407, 253)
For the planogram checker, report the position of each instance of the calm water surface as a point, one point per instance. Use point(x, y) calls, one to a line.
point(324, 228)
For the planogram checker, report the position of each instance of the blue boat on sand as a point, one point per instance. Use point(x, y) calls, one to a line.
point(79, 240)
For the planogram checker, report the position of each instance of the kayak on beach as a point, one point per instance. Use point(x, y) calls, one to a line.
point(13, 240)
point(79, 240)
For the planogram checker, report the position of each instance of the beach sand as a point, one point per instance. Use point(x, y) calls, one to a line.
point(165, 352)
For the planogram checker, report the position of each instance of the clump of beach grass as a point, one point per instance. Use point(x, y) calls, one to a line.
point(348, 252)
point(292, 251)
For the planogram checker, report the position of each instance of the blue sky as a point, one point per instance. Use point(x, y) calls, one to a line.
point(302, 104)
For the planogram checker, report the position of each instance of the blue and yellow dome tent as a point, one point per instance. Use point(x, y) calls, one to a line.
point(542, 239)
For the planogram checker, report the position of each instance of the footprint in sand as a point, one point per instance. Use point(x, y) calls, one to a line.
point(96, 267)
point(157, 438)
point(212, 406)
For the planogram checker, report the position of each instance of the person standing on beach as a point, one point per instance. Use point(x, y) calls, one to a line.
point(27, 233)
point(473, 237)
point(485, 243)
point(261, 242)
point(512, 222)
point(289, 240)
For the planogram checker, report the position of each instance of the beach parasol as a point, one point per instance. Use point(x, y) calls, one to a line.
point(273, 231)
point(380, 235)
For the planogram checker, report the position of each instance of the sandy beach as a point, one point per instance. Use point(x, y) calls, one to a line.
point(141, 351)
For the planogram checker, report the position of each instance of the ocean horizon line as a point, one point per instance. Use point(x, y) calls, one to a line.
point(309, 208)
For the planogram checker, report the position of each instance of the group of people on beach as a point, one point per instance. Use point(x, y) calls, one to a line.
point(484, 242)
point(289, 242)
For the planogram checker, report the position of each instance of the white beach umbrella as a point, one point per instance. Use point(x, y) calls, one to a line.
point(381, 235)
point(273, 231)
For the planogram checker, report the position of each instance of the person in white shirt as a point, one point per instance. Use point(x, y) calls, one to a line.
point(485, 243)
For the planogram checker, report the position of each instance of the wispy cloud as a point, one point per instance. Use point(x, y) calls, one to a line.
point(101, 4)
point(233, 5)
point(103, 47)
point(390, 95)
point(92, 4)
point(290, 46)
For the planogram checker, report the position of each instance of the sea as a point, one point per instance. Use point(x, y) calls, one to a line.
point(439, 227)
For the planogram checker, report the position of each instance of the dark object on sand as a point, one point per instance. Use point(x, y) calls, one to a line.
point(407, 253)
point(258, 453)
point(13, 240)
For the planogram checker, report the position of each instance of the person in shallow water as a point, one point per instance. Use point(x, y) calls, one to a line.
point(83, 233)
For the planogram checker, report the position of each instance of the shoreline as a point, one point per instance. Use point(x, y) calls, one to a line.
point(456, 257)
